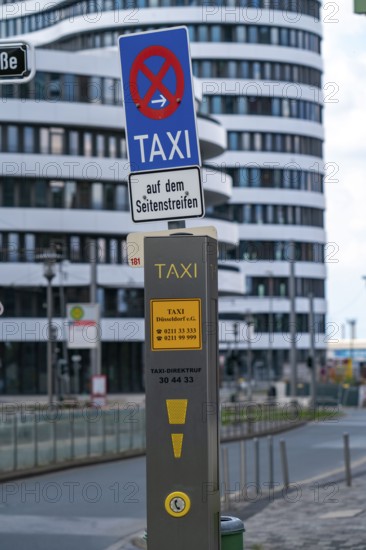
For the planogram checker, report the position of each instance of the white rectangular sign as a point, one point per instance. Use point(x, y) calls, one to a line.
point(99, 390)
point(83, 325)
point(166, 195)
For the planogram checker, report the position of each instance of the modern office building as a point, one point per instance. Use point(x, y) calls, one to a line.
point(262, 79)
point(63, 174)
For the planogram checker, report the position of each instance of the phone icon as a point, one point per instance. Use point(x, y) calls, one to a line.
point(177, 504)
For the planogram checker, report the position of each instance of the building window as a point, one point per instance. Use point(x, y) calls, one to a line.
point(97, 196)
point(109, 192)
point(29, 247)
point(88, 144)
point(253, 34)
point(108, 91)
point(102, 250)
point(113, 251)
point(75, 249)
point(28, 139)
point(13, 247)
point(100, 146)
point(84, 194)
point(70, 194)
point(57, 141)
point(43, 141)
point(12, 139)
point(121, 198)
point(8, 186)
point(40, 194)
point(73, 142)
point(112, 147)
point(57, 194)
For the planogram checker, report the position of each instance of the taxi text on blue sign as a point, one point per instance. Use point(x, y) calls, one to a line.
point(158, 99)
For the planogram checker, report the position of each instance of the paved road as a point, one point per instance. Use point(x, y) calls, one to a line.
point(83, 508)
point(92, 508)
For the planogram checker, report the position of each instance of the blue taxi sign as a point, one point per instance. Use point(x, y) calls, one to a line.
point(158, 100)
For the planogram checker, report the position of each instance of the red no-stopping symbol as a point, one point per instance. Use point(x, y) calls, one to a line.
point(169, 99)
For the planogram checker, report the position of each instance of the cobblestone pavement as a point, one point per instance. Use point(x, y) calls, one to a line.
point(314, 516)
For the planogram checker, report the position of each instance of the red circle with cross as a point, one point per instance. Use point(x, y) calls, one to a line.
point(174, 98)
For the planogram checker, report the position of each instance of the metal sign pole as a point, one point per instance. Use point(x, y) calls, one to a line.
point(183, 501)
point(312, 349)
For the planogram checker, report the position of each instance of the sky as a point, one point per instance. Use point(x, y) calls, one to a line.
point(344, 85)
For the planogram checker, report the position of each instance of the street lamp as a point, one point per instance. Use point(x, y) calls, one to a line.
point(49, 274)
point(270, 327)
point(292, 297)
point(63, 370)
point(311, 358)
point(49, 258)
point(249, 321)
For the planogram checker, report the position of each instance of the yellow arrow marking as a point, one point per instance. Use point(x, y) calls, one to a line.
point(177, 410)
point(177, 440)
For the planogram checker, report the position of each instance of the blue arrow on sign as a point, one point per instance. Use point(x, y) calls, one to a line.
point(158, 99)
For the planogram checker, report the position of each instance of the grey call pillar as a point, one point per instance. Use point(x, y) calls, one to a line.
point(183, 501)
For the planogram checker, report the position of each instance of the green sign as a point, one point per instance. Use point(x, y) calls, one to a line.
point(360, 6)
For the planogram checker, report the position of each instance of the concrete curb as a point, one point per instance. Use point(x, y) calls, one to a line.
point(139, 542)
point(135, 539)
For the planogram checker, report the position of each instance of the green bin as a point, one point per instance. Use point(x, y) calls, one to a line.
point(232, 537)
point(232, 530)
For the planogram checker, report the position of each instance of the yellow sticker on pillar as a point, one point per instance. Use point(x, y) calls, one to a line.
point(176, 324)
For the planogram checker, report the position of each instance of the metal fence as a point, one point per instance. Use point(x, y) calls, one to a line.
point(330, 394)
point(46, 437)
point(32, 439)
point(248, 419)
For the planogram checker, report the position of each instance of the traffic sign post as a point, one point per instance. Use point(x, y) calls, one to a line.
point(183, 501)
point(181, 293)
point(83, 324)
point(17, 62)
point(160, 123)
point(99, 390)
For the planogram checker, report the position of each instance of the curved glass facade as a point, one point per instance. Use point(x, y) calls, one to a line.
point(243, 34)
point(258, 72)
point(225, 104)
